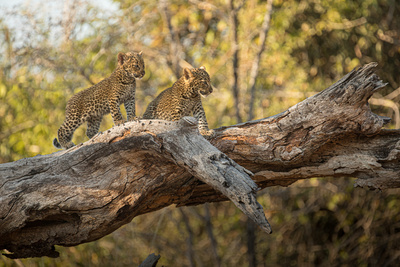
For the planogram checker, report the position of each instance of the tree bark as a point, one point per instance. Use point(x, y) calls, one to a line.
point(84, 193)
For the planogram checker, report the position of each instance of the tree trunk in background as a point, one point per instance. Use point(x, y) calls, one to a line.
point(189, 239)
point(84, 193)
point(256, 62)
point(235, 60)
point(251, 244)
point(209, 228)
point(175, 46)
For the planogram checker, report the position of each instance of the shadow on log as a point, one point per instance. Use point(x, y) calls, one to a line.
point(84, 193)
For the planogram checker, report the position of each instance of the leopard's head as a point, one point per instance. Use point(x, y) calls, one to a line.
point(132, 63)
point(198, 81)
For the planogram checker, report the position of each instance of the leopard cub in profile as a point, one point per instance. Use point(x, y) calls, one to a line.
point(183, 99)
point(91, 104)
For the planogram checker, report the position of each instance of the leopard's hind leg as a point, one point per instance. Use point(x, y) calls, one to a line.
point(66, 131)
point(93, 126)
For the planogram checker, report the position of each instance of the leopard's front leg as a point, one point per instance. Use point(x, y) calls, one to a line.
point(200, 115)
point(115, 111)
point(130, 109)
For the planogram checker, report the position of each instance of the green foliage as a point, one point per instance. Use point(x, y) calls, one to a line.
point(310, 45)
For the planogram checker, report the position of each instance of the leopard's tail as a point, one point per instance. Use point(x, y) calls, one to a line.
point(56, 143)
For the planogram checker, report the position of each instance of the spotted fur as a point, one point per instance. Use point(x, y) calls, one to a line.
point(183, 99)
point(91, 104)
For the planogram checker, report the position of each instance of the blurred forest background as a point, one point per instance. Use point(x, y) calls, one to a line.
point(263, 56)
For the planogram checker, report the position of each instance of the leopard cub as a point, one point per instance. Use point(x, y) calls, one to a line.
point(183, 99)
point(91, 104)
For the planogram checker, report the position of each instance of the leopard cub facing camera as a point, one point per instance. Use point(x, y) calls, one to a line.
point(184, 99)
point(91, 104)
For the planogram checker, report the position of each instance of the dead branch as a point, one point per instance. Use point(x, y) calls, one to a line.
point(84, 193)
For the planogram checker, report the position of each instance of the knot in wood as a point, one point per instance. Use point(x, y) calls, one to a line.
point(188, 121)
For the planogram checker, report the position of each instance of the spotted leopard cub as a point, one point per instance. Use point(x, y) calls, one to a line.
point(91, 104)
point(183, 99)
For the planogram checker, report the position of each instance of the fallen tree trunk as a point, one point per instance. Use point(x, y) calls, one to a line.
point(84, 193)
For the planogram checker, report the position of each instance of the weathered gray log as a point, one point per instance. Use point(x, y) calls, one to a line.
point(84, 193)
point(105, 182)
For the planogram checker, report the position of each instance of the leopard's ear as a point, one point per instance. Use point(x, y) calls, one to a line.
point(121, 58)
point(202, 68)
point(187, 73)
point(140, 53)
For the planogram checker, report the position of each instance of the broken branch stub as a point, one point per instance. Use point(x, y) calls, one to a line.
point(150, 261)
point(191, 151)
